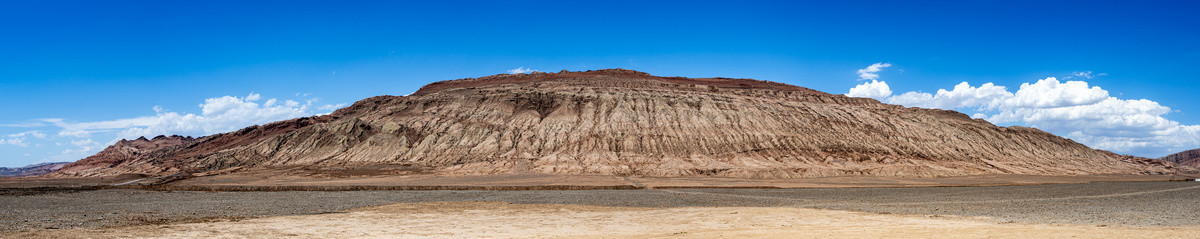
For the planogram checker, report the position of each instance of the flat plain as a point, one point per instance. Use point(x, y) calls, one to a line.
point(1159, 207)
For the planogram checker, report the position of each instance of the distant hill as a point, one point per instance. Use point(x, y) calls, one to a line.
point(623, 122)
point(1189, 158)
point(31, 170)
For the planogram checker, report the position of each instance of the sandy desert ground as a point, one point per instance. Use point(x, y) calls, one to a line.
point(1091, 210)
point(505, 220)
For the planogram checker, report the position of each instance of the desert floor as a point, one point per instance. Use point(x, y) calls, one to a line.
point(505, 220)
point(1092, 210)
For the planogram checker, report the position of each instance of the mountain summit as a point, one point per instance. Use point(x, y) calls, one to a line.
point(623, 122)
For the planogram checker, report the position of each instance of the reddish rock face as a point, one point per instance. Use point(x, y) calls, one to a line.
point(31, 170)
point(622, 122)
point(627, 75)
point(1189, 158)
point(123, 152)
point(165, 155)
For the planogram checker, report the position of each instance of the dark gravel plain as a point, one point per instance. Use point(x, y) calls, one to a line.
point(1107, 203)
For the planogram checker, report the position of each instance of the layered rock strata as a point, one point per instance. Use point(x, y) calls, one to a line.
point(621, 122)
point(1189, 158)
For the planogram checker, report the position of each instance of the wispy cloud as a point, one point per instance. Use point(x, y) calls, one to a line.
point(24, 125)
point(872, 71)
point(1085, 75)
point(19, 142)
point(521, 70)
point(20, 139)
point(34, 133)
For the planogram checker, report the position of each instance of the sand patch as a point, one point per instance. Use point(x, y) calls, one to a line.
point(504, 220)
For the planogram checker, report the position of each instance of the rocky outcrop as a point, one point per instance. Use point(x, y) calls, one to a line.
point(121, 155)
point(625, 122)
point(1189, 158)
point(31, 170)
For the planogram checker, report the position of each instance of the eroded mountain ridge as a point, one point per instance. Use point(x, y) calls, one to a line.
point(622, 122)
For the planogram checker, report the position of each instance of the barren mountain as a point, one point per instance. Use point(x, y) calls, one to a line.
point(31, 170)
point(622, 122)
point(122, 154)
point(1189, 158)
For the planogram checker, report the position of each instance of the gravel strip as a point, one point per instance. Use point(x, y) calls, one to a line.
point(1109, 203)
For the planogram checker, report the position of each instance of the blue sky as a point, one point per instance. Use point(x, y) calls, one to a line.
point(75, 76)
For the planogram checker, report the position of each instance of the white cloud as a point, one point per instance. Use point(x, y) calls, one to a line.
point(911, 99)
point(19, 142)
point(1074, 109)
point(872, 71)
point(33, 133)
point(83, 149)
point(962, 96)
point(216, 115)
point(331, 107)
point(24, 125)
point(521, 70)
point(96, 126)
point(1085, 75)
point(18, 139)
point(1049, 93)
point(874, 89)
point(84, 143)
point(1110, 118)
point(75, 133)
point(220, 114)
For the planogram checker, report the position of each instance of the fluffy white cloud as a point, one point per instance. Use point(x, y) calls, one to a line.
point(1045, 93)
point(872, 71)
point(962, 96)
point(1049, 93)
point(874, 89)
point(1126, 126)
point(521, 70)
point(1087, 114)
point(217, 115)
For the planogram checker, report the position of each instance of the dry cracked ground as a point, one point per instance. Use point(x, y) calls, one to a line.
point(1091, 210)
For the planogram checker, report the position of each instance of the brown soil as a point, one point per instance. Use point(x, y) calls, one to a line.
point(556, 181)
point(299, 179)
